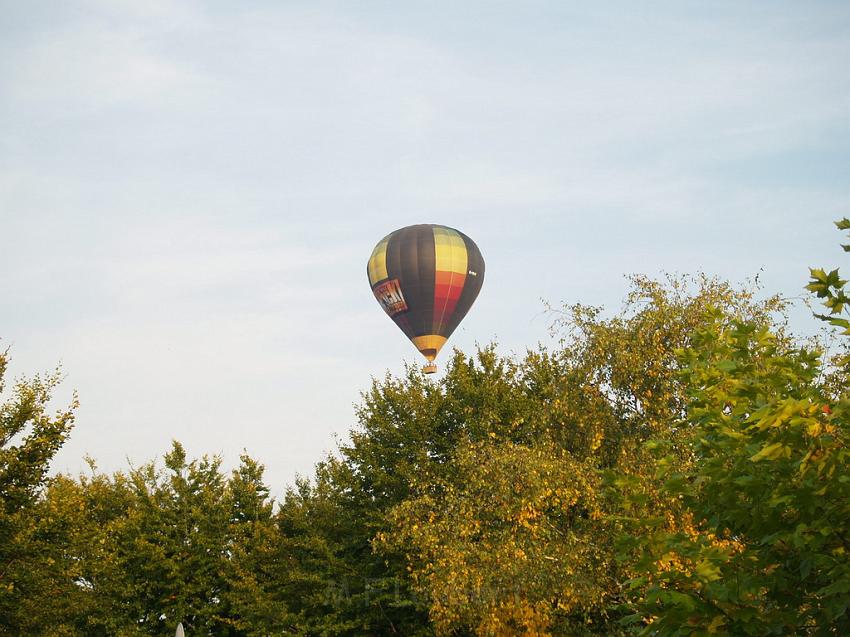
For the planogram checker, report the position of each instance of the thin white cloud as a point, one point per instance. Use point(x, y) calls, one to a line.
point(93, 67)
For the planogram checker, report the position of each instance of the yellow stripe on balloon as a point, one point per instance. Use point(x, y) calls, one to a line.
point(433, 342)
point(377, 267)
point(449, 251)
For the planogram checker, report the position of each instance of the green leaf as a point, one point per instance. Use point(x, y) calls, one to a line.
point(805, 567)
point(770, 452)
point(818, 274)
point(839, 586)
point(707, 571)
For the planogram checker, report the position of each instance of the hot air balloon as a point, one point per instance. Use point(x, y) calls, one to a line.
point(426, 277)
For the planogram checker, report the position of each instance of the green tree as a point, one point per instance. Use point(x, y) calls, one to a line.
point(768, 492)
point(133, 554)
point(451, 454)
point(30, 436)
point(189, 544)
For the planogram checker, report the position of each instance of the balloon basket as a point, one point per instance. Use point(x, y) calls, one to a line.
point(430, 368)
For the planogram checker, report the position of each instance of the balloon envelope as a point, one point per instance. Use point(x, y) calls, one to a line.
point(426, 278)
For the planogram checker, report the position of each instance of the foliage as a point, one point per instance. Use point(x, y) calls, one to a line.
point(29, 438)
point(832, 290)
point(512, 536)
point(134, 554)
point(768, 494)
point(535, 437)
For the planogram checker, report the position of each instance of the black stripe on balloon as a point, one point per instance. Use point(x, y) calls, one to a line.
point(417, 289)
point(426, 261)
point(394, 258)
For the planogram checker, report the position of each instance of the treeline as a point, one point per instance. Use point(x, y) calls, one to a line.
point(680, 468)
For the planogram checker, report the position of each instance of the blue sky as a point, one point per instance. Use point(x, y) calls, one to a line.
point(189, 191)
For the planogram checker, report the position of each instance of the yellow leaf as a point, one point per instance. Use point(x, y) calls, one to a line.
point(707, 571)
point(770, 452)
point(716, 623)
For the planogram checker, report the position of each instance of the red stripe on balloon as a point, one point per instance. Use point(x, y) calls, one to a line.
point(448, 287)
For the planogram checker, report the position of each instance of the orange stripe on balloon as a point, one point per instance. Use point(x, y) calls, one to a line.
point(447, 291)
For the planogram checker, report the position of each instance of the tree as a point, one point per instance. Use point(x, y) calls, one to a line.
point(30, 436)
point(135, 553)
point(768, 493)
point(511, 539)
point(499, 467)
